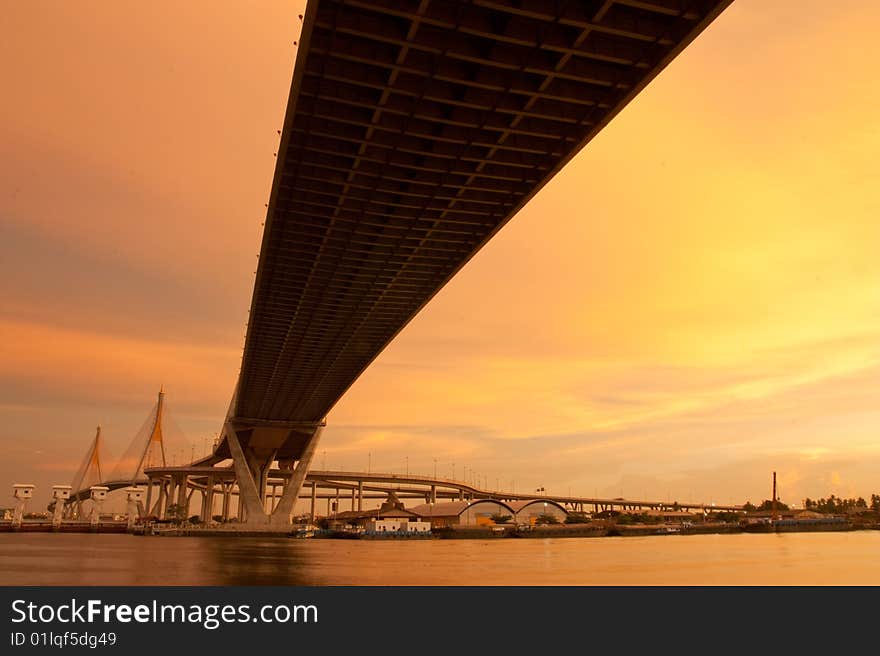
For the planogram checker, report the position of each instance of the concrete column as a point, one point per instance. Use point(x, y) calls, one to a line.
point(149, 494)
point(169, 495)
point(208, 501)
point(433, 494)
point(353, 495)
point(249, 494)
point(182, 499)
point(314, 498)
point(242, 508)
point(284, 512)
point(360, 496)
point(160, 499)
point(272, 499)
point(226, 494)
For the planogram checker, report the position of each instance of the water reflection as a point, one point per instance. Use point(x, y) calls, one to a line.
point(737, 559)
point(254, 561)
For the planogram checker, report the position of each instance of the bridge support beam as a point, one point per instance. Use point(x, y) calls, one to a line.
point(227, 498)
point(249, 500)
point(208, 501)
point(283, 513)
point(149, 495)
point(167, 496)
point(189, 495)
point(182, 498)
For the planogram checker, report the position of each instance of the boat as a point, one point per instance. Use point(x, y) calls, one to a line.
point(665, 530)
point(303, 531)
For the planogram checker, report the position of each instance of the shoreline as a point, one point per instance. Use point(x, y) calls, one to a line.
point(587, 530)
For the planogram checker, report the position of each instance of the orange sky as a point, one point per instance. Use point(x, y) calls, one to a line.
point(693, 303)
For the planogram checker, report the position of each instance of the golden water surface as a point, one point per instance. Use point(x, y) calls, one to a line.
point(848, 558)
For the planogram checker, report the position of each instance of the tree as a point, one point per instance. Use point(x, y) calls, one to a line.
point(634, 518)
point(577, 518)
point(768, 505)
point(501, 519)
point(546, 518)
point(726, 516)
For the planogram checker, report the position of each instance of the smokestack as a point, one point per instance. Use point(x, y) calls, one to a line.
point(774, 496)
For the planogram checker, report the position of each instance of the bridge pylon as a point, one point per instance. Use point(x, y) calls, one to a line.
point(153, 453)
point(89, 473)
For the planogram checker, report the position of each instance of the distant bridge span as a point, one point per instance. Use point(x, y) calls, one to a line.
point(177, 484)
point(415, 129)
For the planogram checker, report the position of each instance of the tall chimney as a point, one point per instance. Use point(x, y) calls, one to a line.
point(774, 496)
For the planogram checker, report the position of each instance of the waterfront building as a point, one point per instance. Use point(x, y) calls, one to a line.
point(481, 512)
point(392, 515)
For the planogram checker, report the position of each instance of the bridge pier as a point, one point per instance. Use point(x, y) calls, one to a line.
point(273, 499)
point(159, 507)
point(191, 491)
point(208, 501)
point(314, 499)
point(360, 496)
point(149, 494)
point(283, 513)
point(227, 498)
point(252, 470)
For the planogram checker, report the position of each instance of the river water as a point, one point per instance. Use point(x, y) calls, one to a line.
point(847, 558)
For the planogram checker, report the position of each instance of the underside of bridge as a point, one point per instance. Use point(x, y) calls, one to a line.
point(415, 129)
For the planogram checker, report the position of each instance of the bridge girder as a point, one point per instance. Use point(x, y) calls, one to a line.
point(415, 130)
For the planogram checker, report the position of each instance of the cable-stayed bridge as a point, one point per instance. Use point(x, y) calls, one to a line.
point(170, 488)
